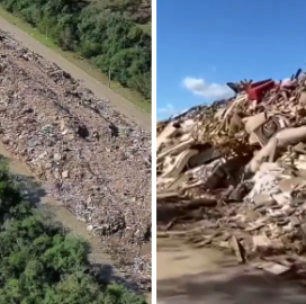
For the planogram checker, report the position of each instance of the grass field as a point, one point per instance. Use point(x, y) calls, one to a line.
point(86, 66)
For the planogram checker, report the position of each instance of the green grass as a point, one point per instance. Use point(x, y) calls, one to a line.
point(78, 61)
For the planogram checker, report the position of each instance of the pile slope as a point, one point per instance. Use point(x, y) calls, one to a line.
point(237, 169)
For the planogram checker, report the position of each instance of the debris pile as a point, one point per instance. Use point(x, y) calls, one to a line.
point(89, 156)
point(233, 174)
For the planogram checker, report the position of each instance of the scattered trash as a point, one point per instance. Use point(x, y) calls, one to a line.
point(233, 174)
point(51, 122)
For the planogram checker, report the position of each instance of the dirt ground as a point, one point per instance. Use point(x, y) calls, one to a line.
point(189, 275)
point(100, 90)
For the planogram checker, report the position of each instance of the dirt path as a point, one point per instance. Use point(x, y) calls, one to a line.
point(189, 275)
point(100, 90)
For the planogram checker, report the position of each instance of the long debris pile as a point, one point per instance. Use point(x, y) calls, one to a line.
point(90, 158)
point(233, 174)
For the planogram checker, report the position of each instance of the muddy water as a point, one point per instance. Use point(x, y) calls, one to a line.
point(76, 227)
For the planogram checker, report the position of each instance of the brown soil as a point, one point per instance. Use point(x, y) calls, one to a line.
point(189, 275)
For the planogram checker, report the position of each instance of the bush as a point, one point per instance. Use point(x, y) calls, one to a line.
point(40, 264)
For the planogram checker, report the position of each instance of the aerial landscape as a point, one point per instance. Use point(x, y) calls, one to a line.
point(75, 152)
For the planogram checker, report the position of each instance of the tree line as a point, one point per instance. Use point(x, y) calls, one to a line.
point(103, 32)
point(40, 263)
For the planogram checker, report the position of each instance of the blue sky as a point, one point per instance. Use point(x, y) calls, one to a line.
point(201, 44)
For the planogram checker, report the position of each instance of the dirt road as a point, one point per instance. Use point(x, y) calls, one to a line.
point(196, 276)
point(101, 91)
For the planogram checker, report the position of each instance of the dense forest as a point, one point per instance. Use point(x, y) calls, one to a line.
point(40, 263)
point(112, 34)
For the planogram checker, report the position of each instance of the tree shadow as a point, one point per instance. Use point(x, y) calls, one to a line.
point(105, 274)
point(30, 189)
point(235, 285)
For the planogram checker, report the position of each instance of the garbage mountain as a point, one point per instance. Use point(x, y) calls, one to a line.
point(233, 174)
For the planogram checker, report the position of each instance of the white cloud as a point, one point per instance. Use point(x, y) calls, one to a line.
point(169, 109)
point(214, 91)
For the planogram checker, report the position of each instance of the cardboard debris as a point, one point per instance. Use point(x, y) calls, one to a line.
point(273, 268)
point(238, 167)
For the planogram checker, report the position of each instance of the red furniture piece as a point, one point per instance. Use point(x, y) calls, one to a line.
point(257, 90)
